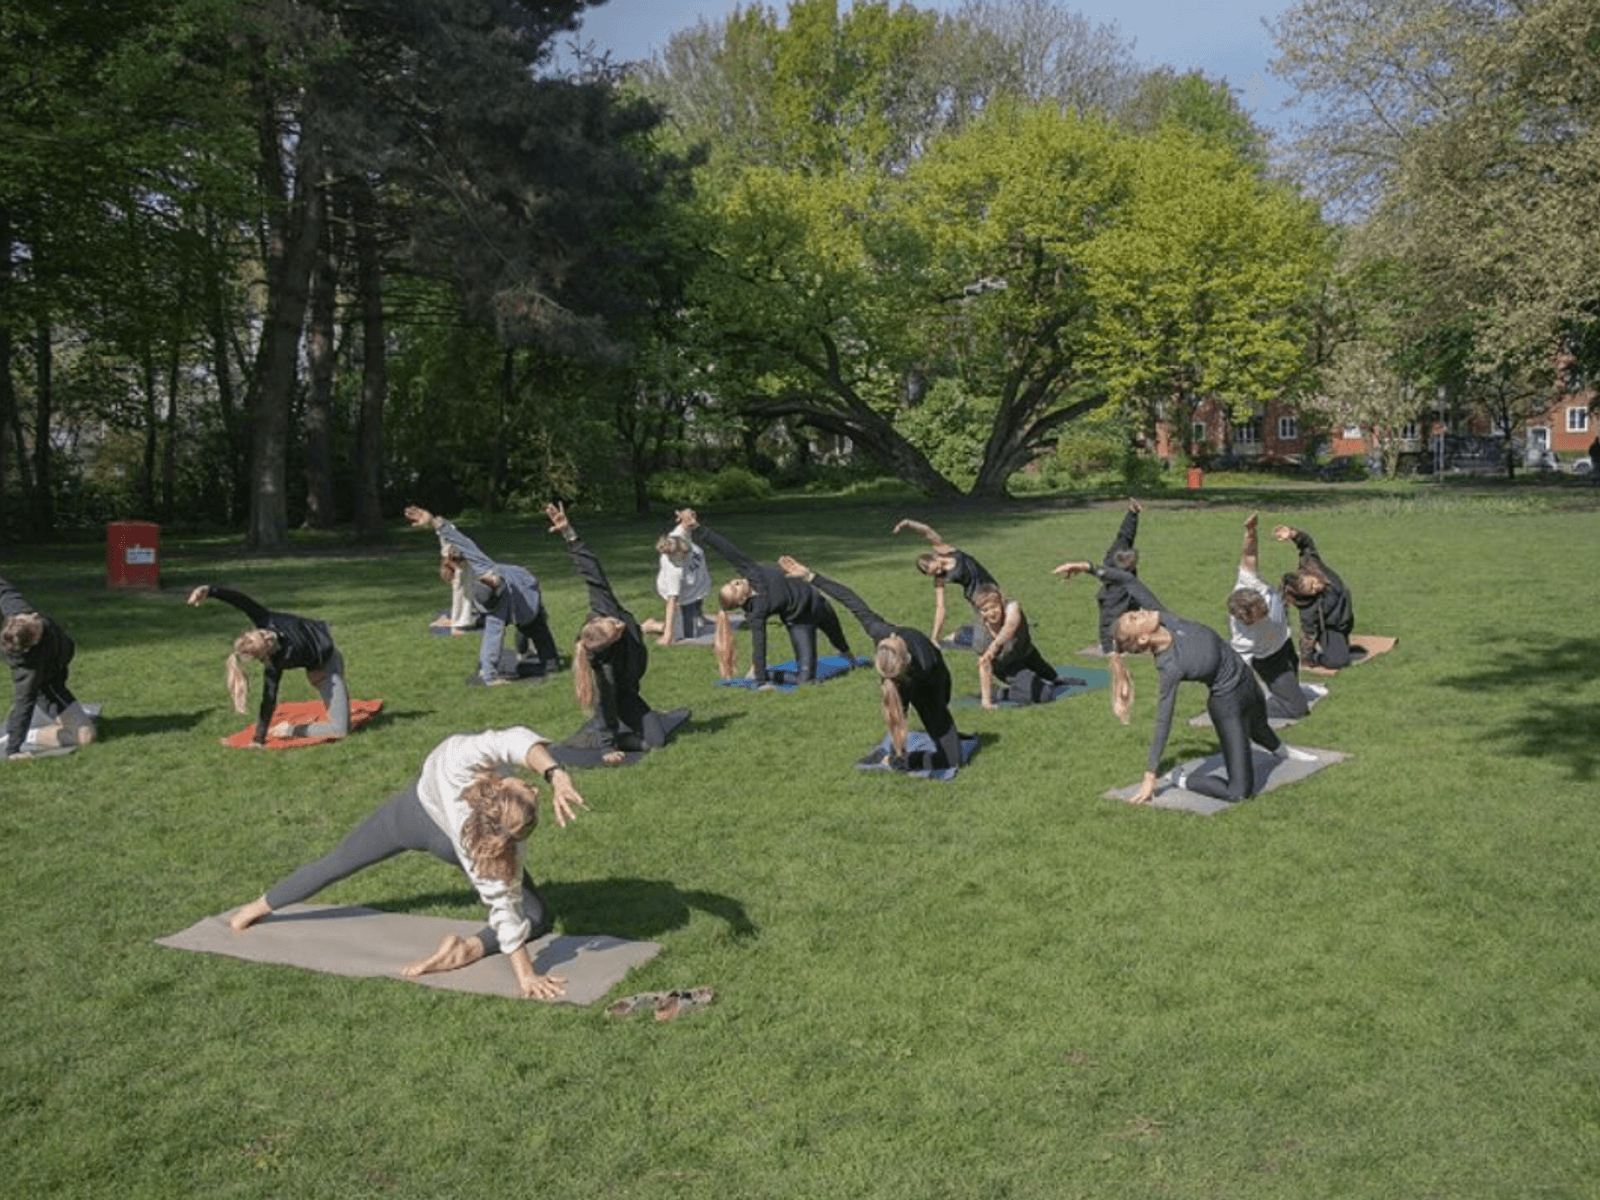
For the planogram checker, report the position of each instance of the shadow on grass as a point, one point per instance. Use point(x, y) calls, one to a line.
point(1549, 727)
point(151, 723)
point(636, 909)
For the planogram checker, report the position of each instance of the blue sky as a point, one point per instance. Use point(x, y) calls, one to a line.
point(1224, 38)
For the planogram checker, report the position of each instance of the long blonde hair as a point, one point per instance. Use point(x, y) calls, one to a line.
point(727, 649)
point(892, 658)
point(488, 834)
point(257, 644)
point(593, 636)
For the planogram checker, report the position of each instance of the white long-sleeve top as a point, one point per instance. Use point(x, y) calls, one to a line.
point(1267, 635)
point(446, 773)
point(684, 576)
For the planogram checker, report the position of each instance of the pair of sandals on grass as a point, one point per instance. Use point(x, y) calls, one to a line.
point(666, 1005)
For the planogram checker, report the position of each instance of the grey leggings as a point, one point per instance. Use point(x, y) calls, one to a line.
point(400, 823)
point(328, 679)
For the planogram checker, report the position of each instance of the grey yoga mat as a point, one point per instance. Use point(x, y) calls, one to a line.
point(350, 940)
point(1275, 771)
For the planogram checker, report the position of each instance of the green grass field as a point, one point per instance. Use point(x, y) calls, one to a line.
point(1382, 982)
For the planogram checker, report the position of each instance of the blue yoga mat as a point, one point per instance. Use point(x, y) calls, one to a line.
point(784, 676)
point(920, 750)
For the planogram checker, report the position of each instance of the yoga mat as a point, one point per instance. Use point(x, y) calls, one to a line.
point(367, 943)
point(919, 756)
point(304, 712)
point(40, 721)
point(1074, 681)
point(784, 676)
point(961, 639)
point(580, 749)
point(1314, 693)
point(1373, 646)
point(1275, 771)
point(513, 668)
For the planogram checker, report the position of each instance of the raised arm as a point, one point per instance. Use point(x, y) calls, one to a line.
point(934, 540)
point(741, 561)
point(1127, 531)
point(1132, 584)
point(877, 628)
point(477, 561)
point(601, 598)
point(257, 613)
point(1248, 558)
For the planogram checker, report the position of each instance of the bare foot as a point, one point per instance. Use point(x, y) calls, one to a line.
point(283, 729)
point(454, 952)
point(612, 758)
point(249, 914)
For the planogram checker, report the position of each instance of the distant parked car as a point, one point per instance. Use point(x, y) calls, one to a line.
point(1582, 466)
point(1542, 458)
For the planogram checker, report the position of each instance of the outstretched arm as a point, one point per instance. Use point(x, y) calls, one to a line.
point(477, 561)
point(741, 561)
point(1248, 558)
point(934, 540)
point(601, 598)
point(257, 613)
point(877, 628)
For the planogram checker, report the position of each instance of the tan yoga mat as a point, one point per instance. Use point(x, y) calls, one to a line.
point(1373, 646)
point(1275, 771)
point(364, 942)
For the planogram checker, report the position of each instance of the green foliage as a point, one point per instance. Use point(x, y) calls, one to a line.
point(950, 426)
point(700, 489)
point(1095, 444)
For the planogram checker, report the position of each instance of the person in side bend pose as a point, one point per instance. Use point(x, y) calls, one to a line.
point(1006, 650)
point(283, 642)
point(764, 591)
point(1187, 650)
point(1327, 614)
point(1258, 629)
point(684, 581)
point(504, 593)
point(465, 810)
point(1116, 596)
point(39, 653)
point(946, 564)
point(609, 660)
point(911, 670)
point(1130, 595)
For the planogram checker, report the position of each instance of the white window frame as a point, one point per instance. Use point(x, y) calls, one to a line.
point(1577, 420)
point(1288, 429)
point(1351, 433)
point(1247, 433)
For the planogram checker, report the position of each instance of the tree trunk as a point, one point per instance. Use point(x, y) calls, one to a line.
point(8, 393)
point(294, 225)
point(320, 337)
point(44, 495)
point(374, 371)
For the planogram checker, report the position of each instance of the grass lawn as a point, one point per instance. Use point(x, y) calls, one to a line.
point(1381, 982)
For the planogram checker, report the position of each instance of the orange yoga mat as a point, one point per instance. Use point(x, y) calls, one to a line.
point(304, 712)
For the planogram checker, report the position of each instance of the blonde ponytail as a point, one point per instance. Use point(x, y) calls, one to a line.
point(238, 685)
point(891, 659)
point(1121, 687)
point(727, 649)
point(582, 676)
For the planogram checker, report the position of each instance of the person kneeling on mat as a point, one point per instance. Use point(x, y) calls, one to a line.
point(1187, 650)
point(911, 671)
point(1006, 651)
point(464, 810)
point(283, 642)
point(39, 653)
point(1327, 614)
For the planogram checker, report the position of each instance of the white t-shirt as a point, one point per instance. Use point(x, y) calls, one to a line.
point(446, 773)
point(1267, 635)
point(685, 576)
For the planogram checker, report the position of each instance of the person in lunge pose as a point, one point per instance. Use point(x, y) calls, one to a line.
point(283, 642)
point(1327, 614)
point(1006, 651)
point(1259, 630)
point(764, 591)
point(464, 810)
point(39, 653)
point(504, 593)
point(911, 671)
point(609, 660)
point(684, 581)
point(1186, 650)
point(946, 564)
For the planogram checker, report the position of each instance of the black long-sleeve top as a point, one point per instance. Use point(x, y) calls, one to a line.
point(45, 660)
point(968, 574)
point(1198, 654)
point(1330, 608)
point(1121, 591)
point(301, 644)
point(620, 667)
point(927, 669)
point(773, 594)
point(1114, 597)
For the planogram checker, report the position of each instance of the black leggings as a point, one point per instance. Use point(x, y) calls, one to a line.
point(930, 700)
point(1332, 650)
point(1239, 717)
point(803, 637)
point(537, 631)
point(1280, 671)
point(400, 823)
